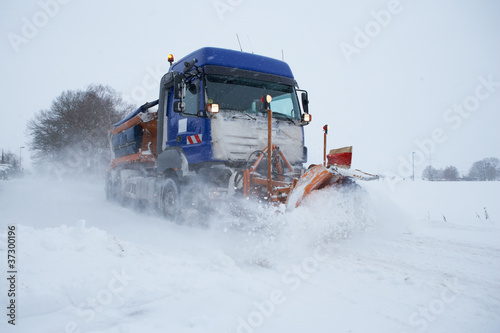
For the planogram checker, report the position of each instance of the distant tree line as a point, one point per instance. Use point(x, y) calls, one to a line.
point(487, 169)
point(71, 137)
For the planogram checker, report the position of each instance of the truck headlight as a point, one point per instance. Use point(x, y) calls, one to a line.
point(306, 117)
point(212, 107)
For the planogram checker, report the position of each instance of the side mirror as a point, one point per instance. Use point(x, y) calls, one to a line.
point(188, 65)
point(179, 93)
point(304, 106)
point(304, 100)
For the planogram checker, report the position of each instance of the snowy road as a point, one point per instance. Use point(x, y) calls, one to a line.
point(417, 257)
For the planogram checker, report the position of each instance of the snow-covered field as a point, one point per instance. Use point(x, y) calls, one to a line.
point(410, 257)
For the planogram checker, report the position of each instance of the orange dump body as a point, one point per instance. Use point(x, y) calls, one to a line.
point(147, 152)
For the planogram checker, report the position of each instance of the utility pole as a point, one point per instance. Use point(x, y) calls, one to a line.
point(20, 165)
point(413, 165)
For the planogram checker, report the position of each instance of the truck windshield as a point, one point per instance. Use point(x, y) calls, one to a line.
point(245, 95)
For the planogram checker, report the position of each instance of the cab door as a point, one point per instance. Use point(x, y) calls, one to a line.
point(190, 129)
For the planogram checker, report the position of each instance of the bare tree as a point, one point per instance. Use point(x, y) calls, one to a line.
point(73, 133)
point(450, 173)
point(430, 173)
point(486, 169)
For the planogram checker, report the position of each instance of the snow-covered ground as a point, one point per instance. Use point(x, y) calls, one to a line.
point(406, 257)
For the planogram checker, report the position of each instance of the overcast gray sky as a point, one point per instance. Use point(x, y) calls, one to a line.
point(389, 77)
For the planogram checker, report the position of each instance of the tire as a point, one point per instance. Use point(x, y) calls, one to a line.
point(170, 199)
point(109, 190)
point(112, 192)
point(118, 194)
point(113, 188)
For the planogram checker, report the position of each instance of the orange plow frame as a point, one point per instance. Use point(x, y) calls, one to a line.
point(254, 183)
point(292, 192)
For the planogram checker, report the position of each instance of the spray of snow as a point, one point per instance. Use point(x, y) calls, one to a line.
point(257, 232)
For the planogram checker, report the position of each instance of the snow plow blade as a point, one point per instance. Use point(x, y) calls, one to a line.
point(319, 177)
point(315, 178)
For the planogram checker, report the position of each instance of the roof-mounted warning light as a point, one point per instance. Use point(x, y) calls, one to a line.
point(170, 59)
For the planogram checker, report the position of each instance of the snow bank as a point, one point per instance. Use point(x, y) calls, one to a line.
point(83, 279)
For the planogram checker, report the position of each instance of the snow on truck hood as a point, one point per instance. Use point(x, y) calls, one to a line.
point(235, 136)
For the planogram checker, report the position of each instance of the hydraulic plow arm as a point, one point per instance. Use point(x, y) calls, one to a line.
point(268, 188)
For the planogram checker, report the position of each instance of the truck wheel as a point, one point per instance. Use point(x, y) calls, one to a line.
point(109, 190)
point(170, 199)
point(112, 191)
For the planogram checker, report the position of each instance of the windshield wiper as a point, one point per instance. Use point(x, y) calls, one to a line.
point(284, 116)
point(237, 112)
point(249, 116)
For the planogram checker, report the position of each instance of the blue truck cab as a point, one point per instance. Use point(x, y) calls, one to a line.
point(211, 112)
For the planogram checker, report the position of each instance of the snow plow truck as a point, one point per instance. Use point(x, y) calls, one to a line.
point(226, 123)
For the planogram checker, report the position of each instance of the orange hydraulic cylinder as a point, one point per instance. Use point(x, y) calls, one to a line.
point(269, 151)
